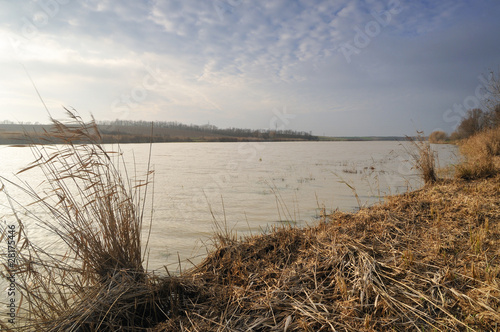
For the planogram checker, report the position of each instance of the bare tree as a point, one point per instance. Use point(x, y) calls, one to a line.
point(494, 117)
point(474, 122)
point(491, 101)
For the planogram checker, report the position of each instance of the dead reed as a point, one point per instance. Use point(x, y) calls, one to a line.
point(482, 155)
point(100, 282)
point(423, 158)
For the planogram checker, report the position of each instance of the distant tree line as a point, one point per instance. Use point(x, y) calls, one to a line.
point(265, 134)
point(129, 131)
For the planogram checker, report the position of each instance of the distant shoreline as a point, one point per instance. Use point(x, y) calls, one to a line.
point(22, 134)
point(361, 138)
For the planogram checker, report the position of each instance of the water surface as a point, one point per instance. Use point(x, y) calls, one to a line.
point(249, 187)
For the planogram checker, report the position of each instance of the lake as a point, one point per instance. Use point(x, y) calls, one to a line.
point(250, 186)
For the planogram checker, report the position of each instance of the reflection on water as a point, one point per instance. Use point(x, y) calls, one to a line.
point(250, 186)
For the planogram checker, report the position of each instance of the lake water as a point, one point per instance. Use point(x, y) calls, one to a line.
point(252, 186)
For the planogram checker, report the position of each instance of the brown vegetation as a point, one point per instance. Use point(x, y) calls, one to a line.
point(423, 158)
point(423, 261)
point(438, 136)
point(482, 155)
point(426, 260)
point(97, 214)
point(474, 122)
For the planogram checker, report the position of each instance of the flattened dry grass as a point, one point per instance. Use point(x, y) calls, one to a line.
point(426, 260)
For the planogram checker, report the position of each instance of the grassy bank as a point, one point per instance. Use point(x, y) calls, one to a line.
point(427, 260)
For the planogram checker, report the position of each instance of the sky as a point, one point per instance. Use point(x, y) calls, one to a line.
point(336, 68)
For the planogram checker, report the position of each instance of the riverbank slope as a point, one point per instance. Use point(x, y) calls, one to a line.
point(424, 260)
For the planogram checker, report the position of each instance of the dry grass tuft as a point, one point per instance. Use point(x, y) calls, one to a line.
point(482, 155)
point(100, 282)
point(424, 158)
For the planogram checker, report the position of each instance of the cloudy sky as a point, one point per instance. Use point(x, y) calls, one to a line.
point(336, 67)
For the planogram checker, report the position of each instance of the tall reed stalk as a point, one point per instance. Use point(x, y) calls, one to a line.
point(97, 212)
point(424, 159)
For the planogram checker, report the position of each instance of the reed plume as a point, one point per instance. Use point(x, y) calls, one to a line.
point(97, 213)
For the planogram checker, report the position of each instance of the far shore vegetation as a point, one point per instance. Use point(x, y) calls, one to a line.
point(126, 131)
point(427, 260)
point(123, 131)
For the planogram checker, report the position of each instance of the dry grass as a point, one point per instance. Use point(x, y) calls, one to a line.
point(423, 158)
point(100, 282)
point(482, 155)
point(423, 261)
